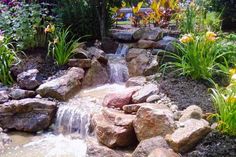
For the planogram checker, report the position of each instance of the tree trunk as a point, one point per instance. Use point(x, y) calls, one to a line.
point(103, 19)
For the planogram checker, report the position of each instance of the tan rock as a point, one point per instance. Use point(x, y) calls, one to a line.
point(146, 44)
point(136, 81)
point(63, 87)
point(193, 111)
point(185, 138)
point(145, 147)
point(152, 121)
point(163, 152)
point(96, 75)
point(114, 128)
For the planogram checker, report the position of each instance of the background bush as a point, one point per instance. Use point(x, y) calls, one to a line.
point(81, 17)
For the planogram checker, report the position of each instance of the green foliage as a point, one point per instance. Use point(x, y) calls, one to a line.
point(62, 48)
point(225, 103)
point(23, 22)
point(200, 57)
point(81, 16)
point(196, 18)
point(7, 58)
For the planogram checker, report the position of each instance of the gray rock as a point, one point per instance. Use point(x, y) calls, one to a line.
point(136, 81)
point(153, 34)
point(4, 96)
point(153, 67)
point(63, 87)
point(29, 79)
point(134, 53)
point(81, 54)
point(81, 63)
point(167, 43)
point(153, 98)
point(96, 75)
point(98, 54)
point(30, 115)
point(145, 147)
point(124, 36)
point(147, 90)
point(17, 94)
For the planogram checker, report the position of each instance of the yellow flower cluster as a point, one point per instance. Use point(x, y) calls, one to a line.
point(211, 36)
point(49, 29)
point(187, 38)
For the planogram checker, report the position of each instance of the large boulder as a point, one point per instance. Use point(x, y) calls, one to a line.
point(153, 121)
point(96, 75)
point(4, 96)
point(114, 128)
point(63, 87)
point(118, 100)
point(29, 79)
point(145, 147)
point(185, 138)
point(147, 90)
point(30, 115)
point(138, 65)
point(17, 94)
point(141, 62)
point(163, 152)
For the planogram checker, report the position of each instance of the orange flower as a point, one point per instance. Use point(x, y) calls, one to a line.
point(49, 29)
point(187, 38)
point(211, 36)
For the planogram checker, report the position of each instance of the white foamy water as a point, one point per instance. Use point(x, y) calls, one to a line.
point(49, 146)
point(118, 69)
point(73, 117)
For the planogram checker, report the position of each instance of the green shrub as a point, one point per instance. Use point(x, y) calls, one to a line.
point(196, 18)
point(225, 103)
point(81, 16)
point(24, 23)
point(200, 57)
point(61, 48)
point(7, 58)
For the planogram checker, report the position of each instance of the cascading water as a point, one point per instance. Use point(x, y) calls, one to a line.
point(117, 65)
point(75, 116)
point(122, 50)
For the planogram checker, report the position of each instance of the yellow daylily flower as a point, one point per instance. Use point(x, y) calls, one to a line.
point(49, 29)
point(231, 99)
point(232, 71)
point(187, 38)
point(211, 36)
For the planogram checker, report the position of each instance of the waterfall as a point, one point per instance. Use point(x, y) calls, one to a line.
point(75, 116)
point(122, 50)
point(118, 69)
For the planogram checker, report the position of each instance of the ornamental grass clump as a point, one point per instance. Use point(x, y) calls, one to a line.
point(225, 103)
point(200, 57)
point(61, 48)
point(7, 58)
